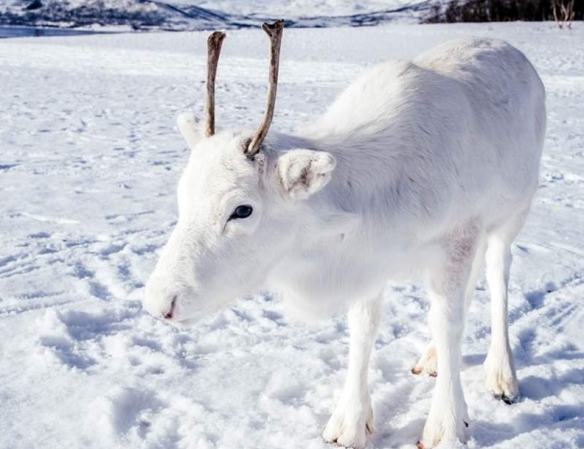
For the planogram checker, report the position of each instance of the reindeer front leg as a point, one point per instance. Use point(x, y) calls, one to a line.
point(448, 417)
point(352, 420)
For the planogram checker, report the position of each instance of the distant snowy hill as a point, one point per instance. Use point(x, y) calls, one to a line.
point(205, 14)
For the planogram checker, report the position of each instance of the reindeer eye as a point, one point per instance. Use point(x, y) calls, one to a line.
point(243, 211)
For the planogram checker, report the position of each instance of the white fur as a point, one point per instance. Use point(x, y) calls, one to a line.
point(417, 168)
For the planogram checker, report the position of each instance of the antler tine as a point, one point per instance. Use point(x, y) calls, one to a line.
point(274, 32)
point(213, 51)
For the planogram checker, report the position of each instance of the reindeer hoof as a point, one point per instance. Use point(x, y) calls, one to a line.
point(506, 399)
point(347, 429)
point(417, 371)
point(427, 363)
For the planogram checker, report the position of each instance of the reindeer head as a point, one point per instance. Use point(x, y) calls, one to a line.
point(240, 201)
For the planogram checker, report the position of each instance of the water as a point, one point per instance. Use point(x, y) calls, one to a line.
point(26, 31)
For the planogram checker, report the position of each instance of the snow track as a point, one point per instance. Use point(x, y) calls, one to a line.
point(89, 160)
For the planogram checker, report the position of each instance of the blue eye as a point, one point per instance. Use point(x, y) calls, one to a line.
point(243, 211)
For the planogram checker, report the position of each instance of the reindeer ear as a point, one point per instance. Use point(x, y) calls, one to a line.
point(191, 129)
point(304, 172)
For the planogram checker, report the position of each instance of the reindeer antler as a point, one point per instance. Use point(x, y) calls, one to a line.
point(213, 51)
point(274, 32)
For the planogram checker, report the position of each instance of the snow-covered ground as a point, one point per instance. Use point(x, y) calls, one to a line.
point(89, 160)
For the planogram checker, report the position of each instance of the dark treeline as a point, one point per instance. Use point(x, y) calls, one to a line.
point(503, 10)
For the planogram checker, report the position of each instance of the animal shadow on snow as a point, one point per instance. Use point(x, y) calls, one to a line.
point(546, 392)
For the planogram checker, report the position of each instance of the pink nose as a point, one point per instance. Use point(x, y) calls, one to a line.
point(168, 315)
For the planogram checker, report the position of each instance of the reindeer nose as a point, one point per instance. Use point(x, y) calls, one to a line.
point(168, 315)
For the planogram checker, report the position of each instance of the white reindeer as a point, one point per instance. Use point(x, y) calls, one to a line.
point(419, 167)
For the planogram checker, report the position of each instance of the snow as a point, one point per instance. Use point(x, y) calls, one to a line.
point(89, 161)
